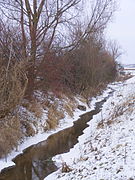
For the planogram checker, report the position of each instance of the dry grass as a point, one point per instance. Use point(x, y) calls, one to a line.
point(13, 83)
point(34, 107)
point(29, 130)
point(127, 106)
point(82, 99)
point(120, 109)
point(109, 122)
point(9, 134)
point(70, 106)
point(46, 104)
point(123, 77)
point(92, 91)
point(100, 125)
point(65, 168)
point(56, 109)
point(54, 116)
point(69, 109)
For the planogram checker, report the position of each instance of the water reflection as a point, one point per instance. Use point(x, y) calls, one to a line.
point(36, 161)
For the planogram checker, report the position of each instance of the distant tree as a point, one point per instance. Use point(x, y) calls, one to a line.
point(114, 49)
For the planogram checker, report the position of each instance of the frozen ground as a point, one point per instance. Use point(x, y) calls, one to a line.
point(106, 150)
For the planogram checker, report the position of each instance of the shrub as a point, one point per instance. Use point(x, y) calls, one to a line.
point(13, 83)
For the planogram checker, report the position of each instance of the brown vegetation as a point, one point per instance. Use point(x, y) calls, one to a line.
point(34, 107)
point(43, 40)
point(37, 54)
point(65, 168)
point(10, 134)
point(57, 112)
point(53, 117)
point(12, 88)
point(83, 71)
point(29, 130)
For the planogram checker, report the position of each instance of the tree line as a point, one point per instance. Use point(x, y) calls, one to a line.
point(54, 45)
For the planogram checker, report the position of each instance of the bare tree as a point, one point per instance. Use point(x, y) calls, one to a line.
point(39, 20)
point(114, 49)
point(42, 22)
point(99, 14)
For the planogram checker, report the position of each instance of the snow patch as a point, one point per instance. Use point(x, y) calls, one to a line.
point(107, 151)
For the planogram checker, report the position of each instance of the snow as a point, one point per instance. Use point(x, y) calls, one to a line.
point(64, 123)
point(77, 156)
point(130, 71)
point(106, 150)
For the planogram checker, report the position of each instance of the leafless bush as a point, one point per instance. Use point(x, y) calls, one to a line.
point(13, 83)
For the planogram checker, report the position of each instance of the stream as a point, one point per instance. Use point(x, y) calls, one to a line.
point(35, 163)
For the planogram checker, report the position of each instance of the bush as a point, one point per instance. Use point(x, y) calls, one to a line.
point(13, 83)
point(84, 68)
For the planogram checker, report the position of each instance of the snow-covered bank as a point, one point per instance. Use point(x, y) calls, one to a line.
point(64, 123)
point(106, 150)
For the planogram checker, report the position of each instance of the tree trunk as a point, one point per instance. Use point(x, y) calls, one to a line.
point(31, 82)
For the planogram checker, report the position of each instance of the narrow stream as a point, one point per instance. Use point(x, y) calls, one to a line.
point(36, 161)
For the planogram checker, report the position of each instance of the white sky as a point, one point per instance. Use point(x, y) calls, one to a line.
point(122, 29)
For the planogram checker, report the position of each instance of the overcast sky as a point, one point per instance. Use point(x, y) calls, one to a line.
point(122, 29)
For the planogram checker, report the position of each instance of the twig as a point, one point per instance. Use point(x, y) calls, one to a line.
point(10, 56)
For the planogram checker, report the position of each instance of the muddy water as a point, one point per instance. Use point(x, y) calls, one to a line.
point(36, 161)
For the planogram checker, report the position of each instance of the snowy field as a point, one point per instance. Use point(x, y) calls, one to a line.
point(106, 150)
